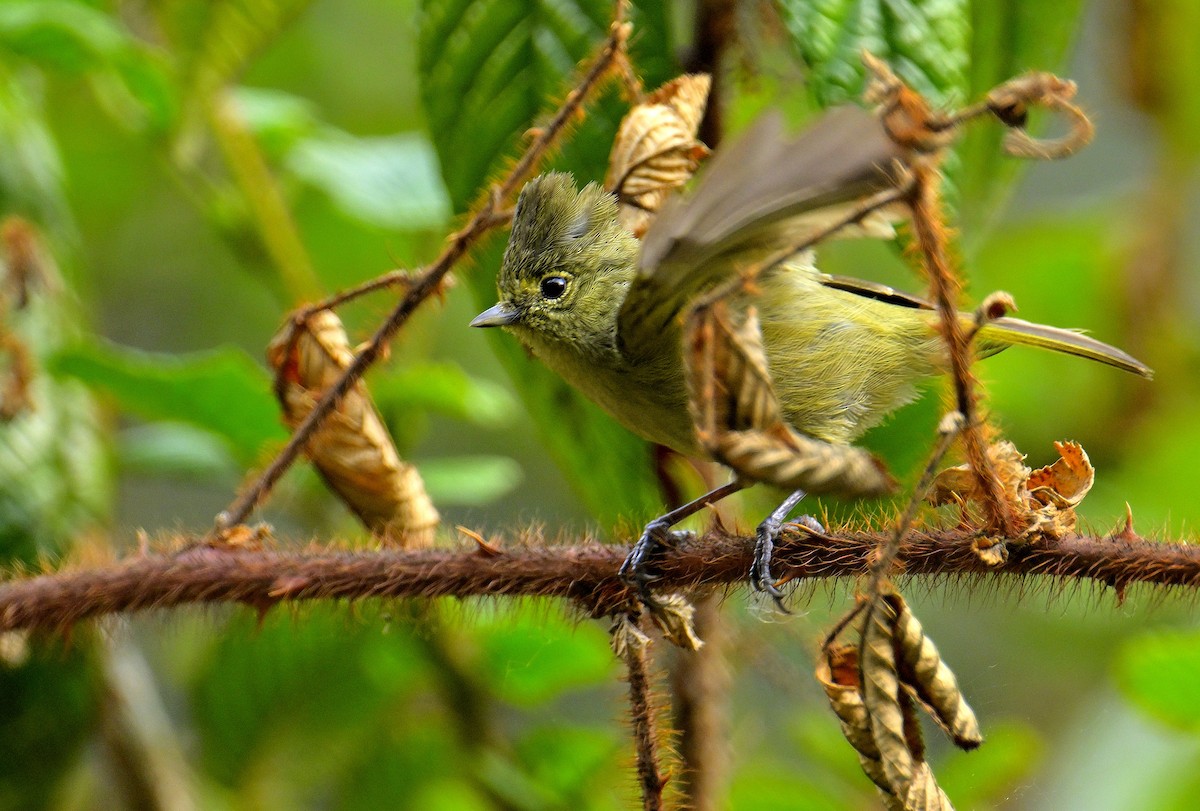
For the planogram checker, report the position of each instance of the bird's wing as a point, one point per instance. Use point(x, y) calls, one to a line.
point(874, 290)
point(759, 194)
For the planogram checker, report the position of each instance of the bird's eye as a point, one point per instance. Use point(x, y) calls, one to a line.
point(553, 286)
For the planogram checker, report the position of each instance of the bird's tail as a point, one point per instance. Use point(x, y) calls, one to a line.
point(1001, 332)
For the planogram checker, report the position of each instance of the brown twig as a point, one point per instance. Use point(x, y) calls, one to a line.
point(429, 281)
point(931, 238)
point(584, 573)
point(643, 716)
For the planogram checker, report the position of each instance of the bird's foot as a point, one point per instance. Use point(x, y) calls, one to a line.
point(636, 571)
point(764, 546)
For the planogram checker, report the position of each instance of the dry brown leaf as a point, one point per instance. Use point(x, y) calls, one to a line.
point(890, 711)
point(992, 551)
point(1065, 482)
point(922, 669)
point(837, 671)
point(924, 793)
point(655, 150)
point(874, 690)
point(625, 636)
point(738, 418)
point(352, 449)
point(1042, 500)
point(675, 616)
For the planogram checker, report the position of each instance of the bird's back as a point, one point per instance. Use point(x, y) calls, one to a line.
point(840, 361)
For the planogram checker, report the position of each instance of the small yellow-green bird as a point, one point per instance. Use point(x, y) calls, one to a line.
point(605, 311)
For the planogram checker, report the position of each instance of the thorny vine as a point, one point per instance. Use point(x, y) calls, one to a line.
point(584, 573)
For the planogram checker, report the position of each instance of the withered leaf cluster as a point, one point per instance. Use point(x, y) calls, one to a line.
point(1043, 500)
point(352, 448)
point(655, 150)
point(875, 689)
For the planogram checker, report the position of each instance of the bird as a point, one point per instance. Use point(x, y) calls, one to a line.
point(605, 310)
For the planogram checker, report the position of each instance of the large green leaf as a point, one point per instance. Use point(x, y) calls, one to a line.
point(222, 391)
point(391, 182)
point(74, 37)
point(443, 388)
point(984, 778)
point(489, 70)
point(537, 653)
point(925, 42)
point(306, 694)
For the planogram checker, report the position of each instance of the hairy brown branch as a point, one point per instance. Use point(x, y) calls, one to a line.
point(584, 573)
point(643, 715)
point(945, 286)
point(430, 280)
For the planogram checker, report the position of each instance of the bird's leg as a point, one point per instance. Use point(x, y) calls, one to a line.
point(657, 536)
point(765, 537)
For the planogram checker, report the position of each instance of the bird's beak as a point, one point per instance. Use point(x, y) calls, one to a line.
point(498, 315)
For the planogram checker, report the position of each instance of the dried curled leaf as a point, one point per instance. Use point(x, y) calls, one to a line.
point(874, 691)
point(1065, 482)
point(655, 150)
point(675, 616)
point(924, 793)
point(626, 636)
point(893, 722)
point(739, 421)
point(1043, 500)
point(837, 671)
point(352, 449)
point(921, 668)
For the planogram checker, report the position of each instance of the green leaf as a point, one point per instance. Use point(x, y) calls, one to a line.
point(177, 450)
point(1158, 673)
point(575, 762)
point(222, 391)
point(777, 787)
point(60, 34)
point(278, 120)
point(446, 389)
point(489, 69)
point(391, 182)
point(74, 37)
point(219, 39)
point(306, 692)
point(471, 480)
point(1009, 37)
point(926, 43)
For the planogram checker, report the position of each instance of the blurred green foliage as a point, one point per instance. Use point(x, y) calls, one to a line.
point(196, 167)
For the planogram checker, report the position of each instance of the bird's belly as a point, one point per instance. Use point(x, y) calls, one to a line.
point(650, 399)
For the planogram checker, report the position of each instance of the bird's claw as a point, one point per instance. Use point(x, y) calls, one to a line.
point(764, 546)
point(635, 571)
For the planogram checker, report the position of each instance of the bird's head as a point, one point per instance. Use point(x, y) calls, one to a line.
point(567, 267)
